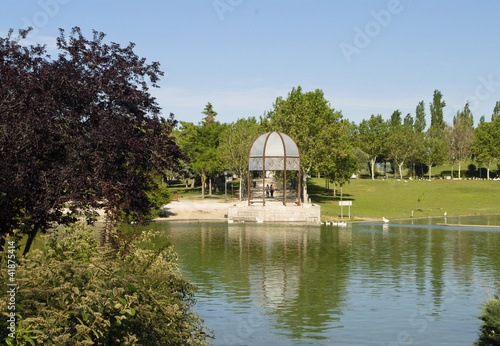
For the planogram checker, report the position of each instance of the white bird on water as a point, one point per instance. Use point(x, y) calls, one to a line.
point(385, 220)
point(445, 214)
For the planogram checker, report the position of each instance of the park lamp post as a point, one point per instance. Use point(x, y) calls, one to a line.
point(225, 186)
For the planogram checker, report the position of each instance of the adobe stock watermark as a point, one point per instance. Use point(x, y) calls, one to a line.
point(246, 328)
point(363, 36)
point(487, 88)
point(223, 6)
point(48, 9)
point(420, 319)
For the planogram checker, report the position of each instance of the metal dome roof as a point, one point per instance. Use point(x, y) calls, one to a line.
point(274, 144)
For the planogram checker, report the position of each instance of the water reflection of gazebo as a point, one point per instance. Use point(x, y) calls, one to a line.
point(272, 151)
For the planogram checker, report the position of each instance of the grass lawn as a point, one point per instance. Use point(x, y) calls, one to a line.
point(397, 199)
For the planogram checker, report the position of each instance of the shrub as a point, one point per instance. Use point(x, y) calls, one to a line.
point(73, 291)
point(489, 334)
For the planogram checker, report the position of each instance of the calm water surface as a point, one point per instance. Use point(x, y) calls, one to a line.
point(414, 283)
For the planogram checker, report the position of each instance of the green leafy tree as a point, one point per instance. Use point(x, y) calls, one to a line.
point(310, 121)
point(401, 144)
point(340, 162)
point(436, 107)
point(200, 144)
point(236, 140)
point(210, 113)
point(435, 148)
point(496, 111)
point(419, 124)
point(461, 136)
point(486, 144)
point(372, 135)
point(435, 145)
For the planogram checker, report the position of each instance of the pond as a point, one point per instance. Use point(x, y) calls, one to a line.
point(411, 283)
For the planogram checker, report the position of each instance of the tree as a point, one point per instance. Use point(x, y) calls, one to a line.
point(81, 131)
point(401, 144)
point(436, 107)
point(395, 118)
point(210, 113)
point(310, 121)
point(486, 144)
point(340, 162)
point(435, 147)
point(496, 111)
point(200, 143)
point(372, 135)
point(461, 135)
point(420, 124)
point(235, 144)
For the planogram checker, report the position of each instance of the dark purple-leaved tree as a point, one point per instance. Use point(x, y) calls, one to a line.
point(78, 133)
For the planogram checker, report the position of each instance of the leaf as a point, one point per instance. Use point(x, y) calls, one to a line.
point(28, 339)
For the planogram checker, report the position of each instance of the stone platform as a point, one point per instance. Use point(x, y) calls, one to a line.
point(274, 212)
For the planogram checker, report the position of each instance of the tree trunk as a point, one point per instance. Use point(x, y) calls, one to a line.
point(400, 166)
point(241, 185)
point(305, 196)
point(203, 178)
point(372, 163)
point(210, 186)
point(192, 183)
point(459, 164)
point(488, 171)
point(430, 169)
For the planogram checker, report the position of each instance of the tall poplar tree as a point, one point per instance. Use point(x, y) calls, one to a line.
point(496, 111)
point(420, 123)
point(435, 145)
point(436, 107)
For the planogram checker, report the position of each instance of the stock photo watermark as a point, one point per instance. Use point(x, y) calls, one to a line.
point(246, 328)
point(11, 289)
point(486, 88)
point(419, 320)
point(48, 9)
point(223, 6)
point(364, 35)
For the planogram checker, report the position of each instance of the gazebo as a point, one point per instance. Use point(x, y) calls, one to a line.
point(274, 151)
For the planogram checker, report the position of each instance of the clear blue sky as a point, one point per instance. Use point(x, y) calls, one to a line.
point(368, 57)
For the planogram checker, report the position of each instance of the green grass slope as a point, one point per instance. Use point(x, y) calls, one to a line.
point(374, 199)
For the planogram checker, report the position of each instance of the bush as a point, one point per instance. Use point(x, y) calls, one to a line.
point(76, 292)
point(158, 198)
point(490, 329)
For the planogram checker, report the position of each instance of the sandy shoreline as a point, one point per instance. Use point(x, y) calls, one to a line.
point(188, 210)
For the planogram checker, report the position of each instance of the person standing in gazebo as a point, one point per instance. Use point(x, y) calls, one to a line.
point(272, 191)
point(267, 191)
